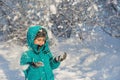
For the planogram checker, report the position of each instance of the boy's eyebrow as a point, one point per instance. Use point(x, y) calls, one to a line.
point(43, 38)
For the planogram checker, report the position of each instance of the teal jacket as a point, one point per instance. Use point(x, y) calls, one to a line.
point(34, 55)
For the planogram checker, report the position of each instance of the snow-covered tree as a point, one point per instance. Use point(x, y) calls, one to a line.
point(109, 16)
point(72, 16)
point(65, 18)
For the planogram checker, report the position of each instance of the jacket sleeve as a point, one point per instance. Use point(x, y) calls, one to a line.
point(53, 63)
point(25, 59)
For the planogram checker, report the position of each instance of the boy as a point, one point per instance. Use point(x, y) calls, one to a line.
point(39, 59)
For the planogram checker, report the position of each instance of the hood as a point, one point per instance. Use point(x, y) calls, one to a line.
point(31, 34)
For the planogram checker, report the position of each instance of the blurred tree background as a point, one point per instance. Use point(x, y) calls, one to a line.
point(64, 18)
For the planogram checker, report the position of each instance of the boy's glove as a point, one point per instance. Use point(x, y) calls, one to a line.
point(61, 57)
point(37, 64)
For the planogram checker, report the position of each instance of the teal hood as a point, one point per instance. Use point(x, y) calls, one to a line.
point(31, 34)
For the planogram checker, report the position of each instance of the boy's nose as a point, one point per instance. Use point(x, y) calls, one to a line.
point(41, 43)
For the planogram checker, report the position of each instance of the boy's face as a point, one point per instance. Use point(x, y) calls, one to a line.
point(39, 41)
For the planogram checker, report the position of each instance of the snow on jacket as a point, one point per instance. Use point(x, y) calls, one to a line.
point(34, 55)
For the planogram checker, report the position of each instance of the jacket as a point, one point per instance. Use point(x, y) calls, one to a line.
point(43, 55)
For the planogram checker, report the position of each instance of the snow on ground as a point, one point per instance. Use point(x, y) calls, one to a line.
point(9, 62)
point(96, 58)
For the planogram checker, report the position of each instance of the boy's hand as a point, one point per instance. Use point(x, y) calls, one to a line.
point(37, 64)
point(61, 57)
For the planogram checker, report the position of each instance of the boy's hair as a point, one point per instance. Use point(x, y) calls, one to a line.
point(41, 33)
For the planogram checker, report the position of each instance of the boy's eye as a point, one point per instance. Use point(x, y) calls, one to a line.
point(38, 40)
point(41, 39)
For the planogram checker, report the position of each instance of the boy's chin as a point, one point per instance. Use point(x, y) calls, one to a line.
point(40, 45)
